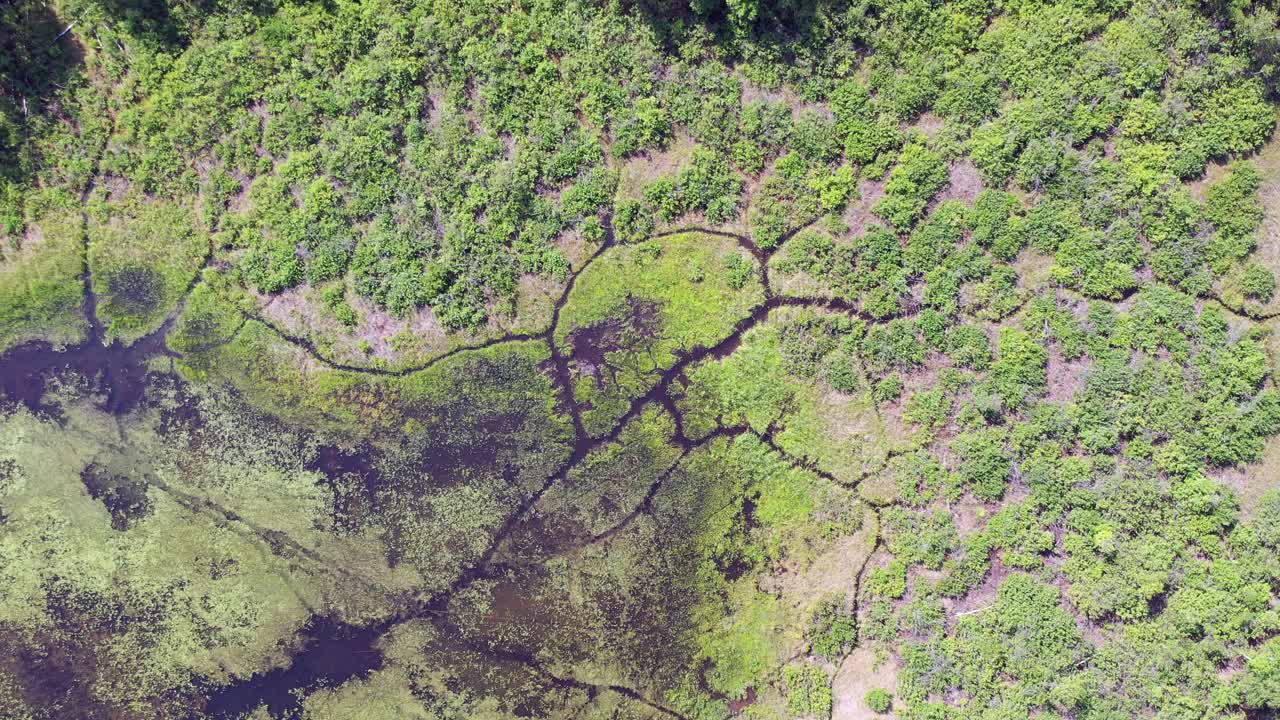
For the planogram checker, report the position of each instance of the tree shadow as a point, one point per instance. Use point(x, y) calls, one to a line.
point(36, 61)
point(742, 25)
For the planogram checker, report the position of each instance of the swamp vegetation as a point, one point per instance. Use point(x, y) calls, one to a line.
point(632, 359)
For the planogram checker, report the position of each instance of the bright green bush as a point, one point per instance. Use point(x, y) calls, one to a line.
point(879, 700)
point(1258, 282)
point(918, 176)
point(833, 631)
point(984, 465)
point(808, 691)
point(1236, 212)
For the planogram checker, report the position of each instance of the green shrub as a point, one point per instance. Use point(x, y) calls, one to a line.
point(865, 140)
point(1267, 519)
point(273, 265)
point(643, 126)
point(879, 700)
point(889, 581)
point(888, 389)
point(833, 631)
point(835, 189)
point(808, 691)
point(632, 221)
point(934, 241)
point(1019, 370)
point(893, 345)
point(843, 372)
point(919, 538)
point(919, 175)
point(804, 343)
point(970, 93)
point(813, 137)
point(969, 347)
point(1236, 212)
point(1258, 283)
point(739, 270)
point(984, 465)
point(992, 218)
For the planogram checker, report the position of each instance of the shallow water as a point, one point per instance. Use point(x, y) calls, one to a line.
point(334, 652)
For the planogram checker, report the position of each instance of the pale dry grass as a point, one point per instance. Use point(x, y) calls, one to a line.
point(399, 341)
point(1032, 267)
point(860, 214)
point(1250, 482)
point(637, 172)
point(1267, 253)
point(856, 676)
point(832, 571)
point(928, 124)
point(1066, 377)
point(964, 185)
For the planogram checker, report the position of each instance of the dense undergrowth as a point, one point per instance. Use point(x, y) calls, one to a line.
point(639, 359)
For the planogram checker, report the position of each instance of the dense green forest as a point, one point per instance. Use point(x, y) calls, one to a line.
point(625, 359)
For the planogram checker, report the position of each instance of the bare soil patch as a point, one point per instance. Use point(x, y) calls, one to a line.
point(575, 247)
point(637, 172)
point(965, 183)
point(860, 214)
point(300, 311)
point(1066, 377)
point(857, 675)
point(928, 124)
point(979, 599)
point(1250, 482)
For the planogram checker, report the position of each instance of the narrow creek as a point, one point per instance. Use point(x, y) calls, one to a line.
point(331, 652)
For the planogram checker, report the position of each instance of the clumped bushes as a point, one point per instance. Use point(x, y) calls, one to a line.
point(918, 176)
point(984, 465)
point(1258, 283)
point(893, 345)
point(1019, 369)
point(808, 691)
point(644, 126)
point(832, 631)
point(706, 184)
point(1235, 211)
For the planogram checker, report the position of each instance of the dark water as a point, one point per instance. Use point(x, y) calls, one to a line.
point(631, 331)
point(352, 479)
point(116, 371)
point(334, 652)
